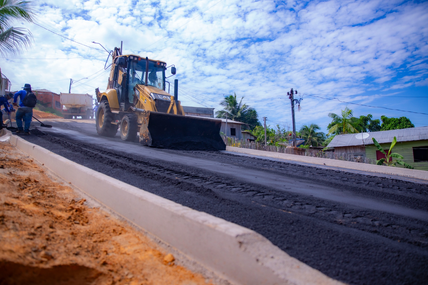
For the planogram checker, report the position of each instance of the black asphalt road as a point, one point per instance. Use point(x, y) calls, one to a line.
point(356, 227)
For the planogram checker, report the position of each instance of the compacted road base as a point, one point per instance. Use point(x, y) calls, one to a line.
point(353, 227)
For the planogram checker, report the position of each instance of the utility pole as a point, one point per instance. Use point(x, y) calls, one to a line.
point(264, 119)
point(226, 126)
point(293, 101)
point(72, 81)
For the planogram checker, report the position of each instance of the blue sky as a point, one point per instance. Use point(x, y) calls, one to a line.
point(337, 54)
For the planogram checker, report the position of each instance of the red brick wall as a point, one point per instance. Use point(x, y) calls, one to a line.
point(46, 97)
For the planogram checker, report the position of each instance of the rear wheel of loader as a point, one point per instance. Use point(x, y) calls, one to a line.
point(104, 119)
point(129, 127)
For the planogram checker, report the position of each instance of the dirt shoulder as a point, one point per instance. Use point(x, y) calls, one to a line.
point(48, 235)
point(44, 115)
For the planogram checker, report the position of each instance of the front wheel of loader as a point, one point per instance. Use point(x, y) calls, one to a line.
point(129, 127)
point(104, 119)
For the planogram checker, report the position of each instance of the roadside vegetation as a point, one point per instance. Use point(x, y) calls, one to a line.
point(41, 106)
point(341, 123)
point(391, 158)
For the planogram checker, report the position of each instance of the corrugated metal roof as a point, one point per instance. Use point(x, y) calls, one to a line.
point(200, 110)
point(229, 121)
point(402, 135)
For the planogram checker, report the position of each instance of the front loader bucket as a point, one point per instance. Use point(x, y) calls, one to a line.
point(180, 132)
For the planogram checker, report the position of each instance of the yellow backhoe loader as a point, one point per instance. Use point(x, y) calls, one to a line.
point(136, 101)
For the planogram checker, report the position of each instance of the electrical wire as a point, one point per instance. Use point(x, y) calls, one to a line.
point(370, 106)
point(65, 37)
point(100, 72)
point(40, 58)
point(192, 97)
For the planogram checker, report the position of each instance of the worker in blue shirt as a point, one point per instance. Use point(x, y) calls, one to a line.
point(23, 113)
point(4, 101)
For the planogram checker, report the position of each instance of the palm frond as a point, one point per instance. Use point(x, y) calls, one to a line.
point(14, 39)
point(12, 9)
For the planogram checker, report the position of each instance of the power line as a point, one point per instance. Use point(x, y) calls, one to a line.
point(95, 75)
point(191, 96)
point(370, 106)
point(64, 36)
point(40, 58)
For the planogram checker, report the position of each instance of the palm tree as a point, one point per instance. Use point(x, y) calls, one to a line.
point(343, 125)
point(12, 38)
point(232, 109)
point(311, 136)
point(238, 112)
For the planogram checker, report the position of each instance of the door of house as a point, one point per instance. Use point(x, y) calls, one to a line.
point(380, 155)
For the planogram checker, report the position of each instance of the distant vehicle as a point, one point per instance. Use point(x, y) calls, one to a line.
point(77, 105)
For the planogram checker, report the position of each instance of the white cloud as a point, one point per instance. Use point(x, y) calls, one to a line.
point(258, 49)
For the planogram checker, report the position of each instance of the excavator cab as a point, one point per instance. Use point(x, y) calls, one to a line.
point(136, 101)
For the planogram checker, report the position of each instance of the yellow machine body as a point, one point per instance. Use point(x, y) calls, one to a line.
point(136, 101)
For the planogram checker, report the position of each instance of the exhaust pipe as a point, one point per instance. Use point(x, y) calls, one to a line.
point(176, 90)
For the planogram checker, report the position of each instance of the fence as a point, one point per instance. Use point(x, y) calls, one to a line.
point(350, 156)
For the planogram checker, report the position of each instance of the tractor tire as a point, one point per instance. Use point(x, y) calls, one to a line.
point(104, 119)
point(129, 127)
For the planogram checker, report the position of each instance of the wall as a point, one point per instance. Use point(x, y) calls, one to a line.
point(238, 134)
point(356, 150)
point(51, 99)
point(403, 148)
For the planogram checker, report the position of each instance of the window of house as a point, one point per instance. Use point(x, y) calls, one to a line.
point(233, 131)
point(420, 153)
point(57, 104)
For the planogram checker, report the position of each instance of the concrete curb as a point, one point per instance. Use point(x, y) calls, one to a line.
point(233, 252)
point(411, 173)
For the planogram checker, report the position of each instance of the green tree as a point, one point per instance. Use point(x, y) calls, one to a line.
point(311, 136)
point(273, 137)
point(343, 124)
point(388, 160)
point(395, 123)
point(13, 39)
point(237, 111)
point(251, 119)
point(368, 124)
point(259, 133)
point(328, 140)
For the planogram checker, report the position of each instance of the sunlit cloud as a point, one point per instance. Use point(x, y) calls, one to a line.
point(258, 49)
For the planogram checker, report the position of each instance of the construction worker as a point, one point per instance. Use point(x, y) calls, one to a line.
point(23, 113)
point(4, 101)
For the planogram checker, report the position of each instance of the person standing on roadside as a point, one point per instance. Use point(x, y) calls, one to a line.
point(27, 101)
point(4, 101)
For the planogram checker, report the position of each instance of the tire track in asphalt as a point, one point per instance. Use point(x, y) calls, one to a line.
point(336, 239)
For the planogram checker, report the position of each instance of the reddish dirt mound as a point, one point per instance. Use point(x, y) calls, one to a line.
point(48, 235)
point(43, 115)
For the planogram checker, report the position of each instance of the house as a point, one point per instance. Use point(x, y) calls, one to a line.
point(4, 84)
point(199, 111)
point(247, 136)
point(50, 98)
point(228, 127)
point(231, 128)
point(412, 144)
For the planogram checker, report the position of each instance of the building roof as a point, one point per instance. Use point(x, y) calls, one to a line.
point(43, 90)
point(217, 119)
point(199, 110)
point(361, 139)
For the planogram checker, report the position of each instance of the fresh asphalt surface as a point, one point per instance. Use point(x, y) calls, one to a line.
point(354, 227)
